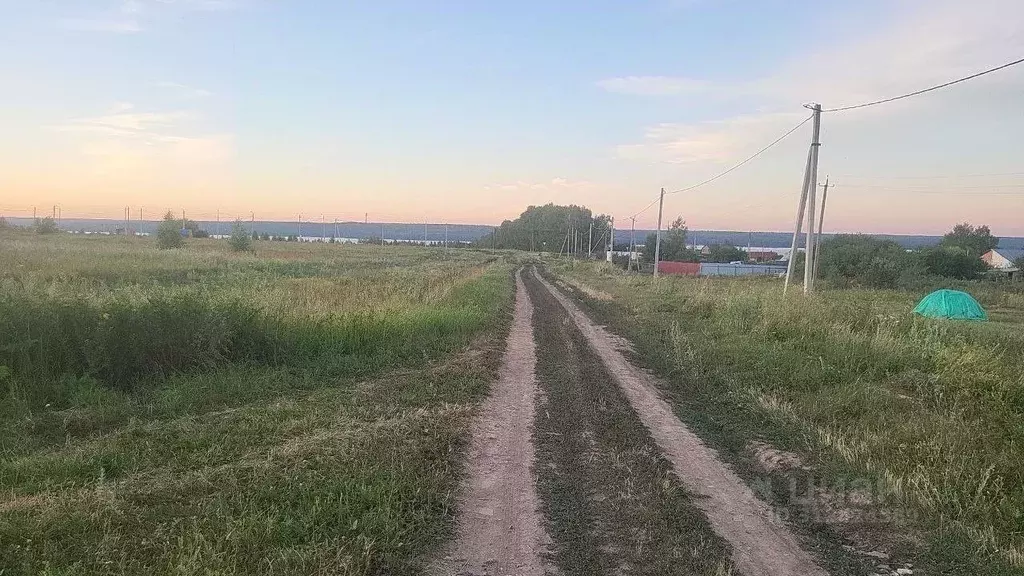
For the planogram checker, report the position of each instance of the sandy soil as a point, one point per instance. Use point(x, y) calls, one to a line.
point(499, 530)
point(762, 545)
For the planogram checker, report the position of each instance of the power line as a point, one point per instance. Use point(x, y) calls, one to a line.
point(941, 176)
point(894, 98)
point(755, 155)
point(646, 208)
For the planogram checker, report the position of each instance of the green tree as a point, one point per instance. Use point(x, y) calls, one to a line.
point(546, 229)
point(168, 233)
point(240, 240)
point(725, 253)
point(973, 240)
point(1019, 263)
point(673, 244)
point(953, 262)
point(46, 226)
point(862, 260)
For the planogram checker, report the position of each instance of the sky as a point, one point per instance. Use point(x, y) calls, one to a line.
point(467, 111)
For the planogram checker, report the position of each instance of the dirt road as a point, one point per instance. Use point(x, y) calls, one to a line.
point(761, 546)
point(499, 529)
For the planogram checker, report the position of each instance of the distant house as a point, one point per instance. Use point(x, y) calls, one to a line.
point(763, 256)
point(1002, 258)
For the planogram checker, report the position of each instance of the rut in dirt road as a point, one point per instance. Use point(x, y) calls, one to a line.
point(499, 527)
point(761, 545)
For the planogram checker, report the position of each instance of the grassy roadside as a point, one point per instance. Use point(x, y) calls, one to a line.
point(611, 501)
point(309, 421)
point(920, 419)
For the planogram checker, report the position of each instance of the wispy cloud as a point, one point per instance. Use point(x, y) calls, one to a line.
point(654, 85)
point(715, 141)
point(133, 16)
point(553, 185)
point(114, 24)
point(126, 139)
point(928, 42)
point(184, 90)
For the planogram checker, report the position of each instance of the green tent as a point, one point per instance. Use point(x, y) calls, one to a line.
point(951, 304)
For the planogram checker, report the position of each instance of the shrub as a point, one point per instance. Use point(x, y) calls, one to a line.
point(46, 226)
point(862, 260)
point(953, 263)
point(168, 234)
point(240, 240)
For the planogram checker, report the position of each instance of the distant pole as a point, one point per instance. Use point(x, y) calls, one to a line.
point(611, 239)
point(657, 241)
point(252, 222)
point(381, 234)
point(821, 223)
point(218, 222)
point(54, 216)
point(298, 229)
point(335, 228)
point(812, 193)
point(142, 218)
point(323, 228)
point(798, 226)
point(424, 231)
point(446, 236)
point(632, 242)
point(34, 217)
point(366, 218)
point(590, 239)
point(494, 237)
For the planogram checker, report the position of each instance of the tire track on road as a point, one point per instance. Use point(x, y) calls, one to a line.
point(761, 544)
point(499, 529)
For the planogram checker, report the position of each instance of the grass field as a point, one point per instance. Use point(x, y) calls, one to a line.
point(296, 411)
point(918, 422)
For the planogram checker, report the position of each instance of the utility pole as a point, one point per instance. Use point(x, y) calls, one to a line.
point(590, 240)
point(381, 234)
point(218, 222)
point(632, 242)
point(657, 241)
point(298, 229)
point(335, 228)
point(366, 218)
point(821, 223)
point(802, 204)
point(446, 237)
point(812, 192)
point(611, 240)
point(424, 232)
point(323, 228)
point(252, 222)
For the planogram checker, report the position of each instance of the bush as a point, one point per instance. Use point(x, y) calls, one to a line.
point(862, 260)
point(953, 263)
point(46, 226)
point(240, 240)
point(168, 234)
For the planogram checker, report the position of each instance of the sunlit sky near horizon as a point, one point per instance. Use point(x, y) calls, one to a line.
point(467, 112)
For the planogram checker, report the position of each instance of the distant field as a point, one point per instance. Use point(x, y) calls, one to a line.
point(913, 429)
point(296, 411)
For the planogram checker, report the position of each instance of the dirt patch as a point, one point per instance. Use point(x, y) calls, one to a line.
point(762, 544)
point(499, 530)
point(611, 502)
